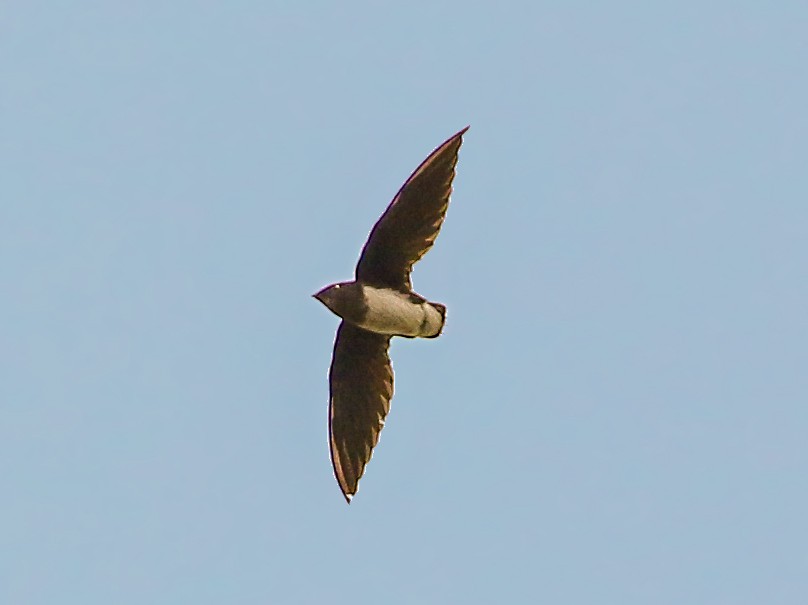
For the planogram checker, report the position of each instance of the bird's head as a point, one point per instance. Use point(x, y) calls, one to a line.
point(339, 298)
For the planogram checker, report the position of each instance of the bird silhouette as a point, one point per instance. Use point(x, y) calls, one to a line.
point(379, 304)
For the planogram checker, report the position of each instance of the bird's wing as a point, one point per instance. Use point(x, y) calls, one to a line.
point(361, 380)
point(409, 226)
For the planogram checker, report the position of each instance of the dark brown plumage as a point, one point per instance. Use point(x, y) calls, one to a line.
point(361, 381)
point(409, 226)
point(361, 376)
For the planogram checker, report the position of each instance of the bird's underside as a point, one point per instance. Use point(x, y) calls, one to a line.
point(378, 304)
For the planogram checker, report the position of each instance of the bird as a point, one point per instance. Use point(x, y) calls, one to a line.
point(380, 303)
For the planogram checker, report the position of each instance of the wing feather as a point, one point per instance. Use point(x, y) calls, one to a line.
point(361, 380)
point(410, 224)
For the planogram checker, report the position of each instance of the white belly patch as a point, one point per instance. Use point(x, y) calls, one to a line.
point(391, 312)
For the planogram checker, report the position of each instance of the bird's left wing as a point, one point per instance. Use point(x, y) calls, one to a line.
point(409, 226)
point(361, 381)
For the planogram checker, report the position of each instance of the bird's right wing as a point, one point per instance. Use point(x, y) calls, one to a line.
point(361, 381)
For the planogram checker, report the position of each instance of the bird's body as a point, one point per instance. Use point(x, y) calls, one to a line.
point(384, 310)
point(380, 304)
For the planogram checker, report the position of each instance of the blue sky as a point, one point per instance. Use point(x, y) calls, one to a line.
point(616, 411)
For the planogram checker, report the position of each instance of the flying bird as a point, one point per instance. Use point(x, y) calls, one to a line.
point(379, 304)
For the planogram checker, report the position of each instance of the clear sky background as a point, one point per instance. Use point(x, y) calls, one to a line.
point(617, 411)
